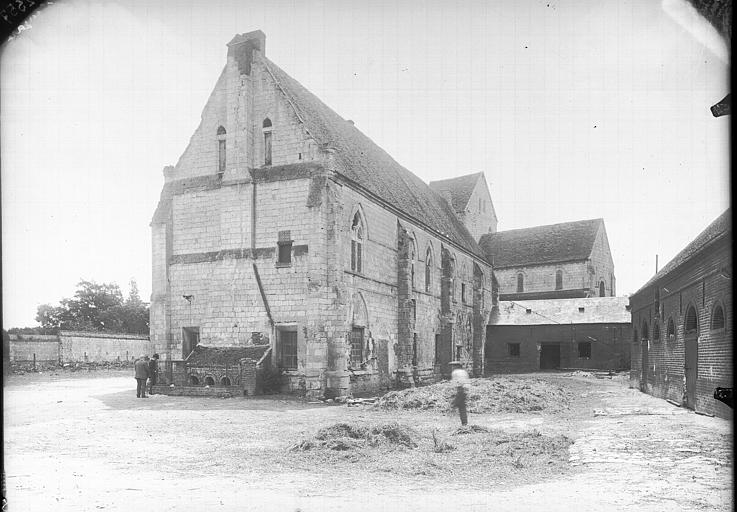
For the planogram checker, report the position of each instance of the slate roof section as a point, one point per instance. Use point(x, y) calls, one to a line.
point(721, 226)
point(554, 243)
point(203, 356)
point(596, 310)
point(361, 161)
point(459, 188)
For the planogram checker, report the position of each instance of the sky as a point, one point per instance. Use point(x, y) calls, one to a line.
point(572, 109)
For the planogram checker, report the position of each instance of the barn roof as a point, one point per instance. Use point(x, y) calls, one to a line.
point(720, 226)
point(459, 189)
point(595, 310)
point(359, 160)
point(554, 243)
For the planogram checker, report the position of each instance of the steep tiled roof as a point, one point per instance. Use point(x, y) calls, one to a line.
point(596, 310)
point(224, 356)
point(716, 229)
point(459, 189)
point(568, 241)
point(361, 161)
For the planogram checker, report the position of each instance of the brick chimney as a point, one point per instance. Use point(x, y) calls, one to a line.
point(242, 46)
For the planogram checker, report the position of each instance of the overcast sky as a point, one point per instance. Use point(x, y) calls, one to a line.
point(573, 110)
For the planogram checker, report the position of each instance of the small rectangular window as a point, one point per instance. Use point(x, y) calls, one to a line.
point(267, 148)
point(584, 350)
point(288, 350)
point(356, 347)
point(355, 256)
point(284, 244)
point(463, 292)
point(513, 349)
point(221, 156)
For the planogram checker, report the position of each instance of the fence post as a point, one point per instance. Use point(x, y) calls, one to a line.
point(34, 361)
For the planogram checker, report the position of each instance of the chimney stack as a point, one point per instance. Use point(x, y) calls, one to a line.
point(242, 46)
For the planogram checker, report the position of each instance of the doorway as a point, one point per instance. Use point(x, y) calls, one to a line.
point(190, 339)
point(692, 369)
point(645, 362)
point(549, 356)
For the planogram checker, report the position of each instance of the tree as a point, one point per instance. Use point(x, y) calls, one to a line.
point(97, 307)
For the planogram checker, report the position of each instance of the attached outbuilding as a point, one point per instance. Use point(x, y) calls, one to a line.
point(585, 333)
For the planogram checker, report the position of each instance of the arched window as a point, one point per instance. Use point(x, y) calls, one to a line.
point(209, 381)
point(602, 289)
point(221, 149)
point(717, 317)
point(671, 329)
point(690, 323)
point(356, 242)
point(645, 331)
point(194, 381)
point(267, 141)
point(520, 283)
point(559, 280)
point(656, 331)
point(225, 381)
point(428, 270)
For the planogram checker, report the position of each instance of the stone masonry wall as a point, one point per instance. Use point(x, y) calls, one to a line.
point(540, 278)
point(479, 217)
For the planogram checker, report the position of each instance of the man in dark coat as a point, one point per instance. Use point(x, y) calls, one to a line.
point(153, 370)
point(141, 367)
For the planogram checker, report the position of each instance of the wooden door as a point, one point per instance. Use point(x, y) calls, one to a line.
point(549, 356)
point(645, 362)
point(691, 368)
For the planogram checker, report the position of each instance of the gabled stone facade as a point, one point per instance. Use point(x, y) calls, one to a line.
point(282, 223)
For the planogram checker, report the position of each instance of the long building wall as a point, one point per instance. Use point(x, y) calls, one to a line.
point(700, 284)
point(609, 345)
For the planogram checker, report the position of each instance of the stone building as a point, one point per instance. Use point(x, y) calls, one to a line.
point(558, 261)
point(586, 333)
point(471, 200)
point(682, 322)
point(283, 224)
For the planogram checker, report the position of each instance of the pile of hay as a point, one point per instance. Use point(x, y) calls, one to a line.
point(349, 436)
point(494, 395)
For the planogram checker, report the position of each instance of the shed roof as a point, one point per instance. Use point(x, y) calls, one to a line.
point(567, 241)
point(596, 310)
point(459, 189)
point(361, 161)
point(224, 356)
point(720, 226)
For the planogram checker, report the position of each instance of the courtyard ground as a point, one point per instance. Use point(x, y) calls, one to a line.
point(82, 441)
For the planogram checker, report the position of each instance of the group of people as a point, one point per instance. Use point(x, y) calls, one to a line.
point(146, 369)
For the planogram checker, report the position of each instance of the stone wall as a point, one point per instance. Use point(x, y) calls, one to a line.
point(27, 347)
point(479, 216)
point(541, 278)
point(701, 284)
point(102, 347)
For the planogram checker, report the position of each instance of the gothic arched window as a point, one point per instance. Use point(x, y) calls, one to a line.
point(221, 149)
point(428, 270)
point(602, 289)
point(267, 141)
point(520, 283)
point(356, 242)
point(717, 317)
point(559, 280)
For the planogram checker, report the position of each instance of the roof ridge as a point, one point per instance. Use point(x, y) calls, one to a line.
point(546, 226)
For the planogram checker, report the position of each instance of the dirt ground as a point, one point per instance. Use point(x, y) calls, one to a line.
point(82, 441)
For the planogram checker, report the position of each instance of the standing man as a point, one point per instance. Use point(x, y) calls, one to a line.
point(153, 370)
point(141, 366)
